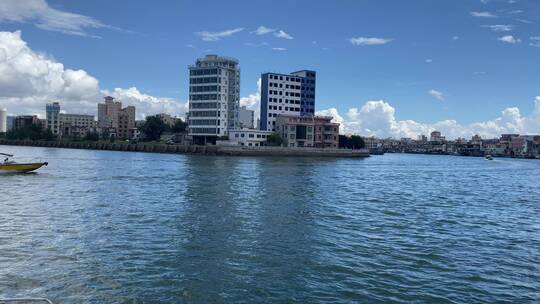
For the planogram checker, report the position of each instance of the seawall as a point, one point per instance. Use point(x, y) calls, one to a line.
point(191, 149)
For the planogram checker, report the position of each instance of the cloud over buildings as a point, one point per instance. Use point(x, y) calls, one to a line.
point(29, 79)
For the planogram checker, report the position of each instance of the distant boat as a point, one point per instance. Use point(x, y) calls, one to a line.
point(488, 157)
point(13, 167)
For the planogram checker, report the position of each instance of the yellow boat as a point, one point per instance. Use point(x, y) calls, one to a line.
point(13, 167)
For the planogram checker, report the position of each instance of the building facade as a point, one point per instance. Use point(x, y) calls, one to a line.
point(3, 121)
point(108, 113)
point(246, 118)
point(248, 137)
point(111, 115)
point(286, 94)
point(76, 125)
point(214, 98)
point(24, 121)
point(52, 116)
point(326, 132)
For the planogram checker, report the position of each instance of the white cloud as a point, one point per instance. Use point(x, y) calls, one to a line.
point(377, 118)
point(369, 41)
point(509, 39)
point(28, 80)
point(500, 27)
point(39, 13)
point(263, 30)
point(455, 38)
point(436, 94)
point(253, 101)
point(215, 36)
point(282, 34)
point(483, 15)
point(279, 49)
point(429, 60)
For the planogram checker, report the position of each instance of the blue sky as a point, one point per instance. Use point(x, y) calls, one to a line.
point(431, 60)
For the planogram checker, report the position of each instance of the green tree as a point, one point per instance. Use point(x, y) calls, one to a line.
point(351, 142)
point(180, 126)
point(153, 127)
point(92, 136)
point(274, 139)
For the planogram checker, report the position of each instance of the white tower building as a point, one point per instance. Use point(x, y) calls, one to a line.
point(3, 120)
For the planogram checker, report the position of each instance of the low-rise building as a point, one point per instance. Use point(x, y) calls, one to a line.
point(326, 132)
point(248, 137)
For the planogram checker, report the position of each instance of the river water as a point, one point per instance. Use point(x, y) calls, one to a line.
point(117, 227)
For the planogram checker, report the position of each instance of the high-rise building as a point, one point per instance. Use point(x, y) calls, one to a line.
point(108, 113)
point(214, 97)
point(3, 121)
point(112, 115)
point(52, 114)
point(246, 118)
point(286, 94)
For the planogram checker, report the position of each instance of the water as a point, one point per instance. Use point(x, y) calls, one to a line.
point(113, 227)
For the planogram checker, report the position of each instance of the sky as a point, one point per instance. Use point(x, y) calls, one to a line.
point(388, 68)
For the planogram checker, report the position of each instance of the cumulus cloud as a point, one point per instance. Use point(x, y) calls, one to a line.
point(253, 101)
point(39, 13)
point(377, 118)
point(369, 41)
point(29, 80)
point(509, 39)
point(436, 94)
point(215, 36)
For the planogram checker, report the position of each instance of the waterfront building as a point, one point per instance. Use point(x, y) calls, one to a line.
point(23, 121)
point(167, 119)
point(214, 98)
point(307, 131)
point(3, 121)
point(248, 137)
point(286, 94)
point(10, 121)
point(421, 138)
point(436, 136)
point(326, 132)
point(246, 118)
point(76, 125)
point(108, 113)
point(52, 116)
point(112, 115)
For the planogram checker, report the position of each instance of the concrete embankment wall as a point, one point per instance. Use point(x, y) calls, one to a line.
point(202, 150)
point(117, 146)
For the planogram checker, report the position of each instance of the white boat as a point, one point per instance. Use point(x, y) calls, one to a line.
point(488, 157)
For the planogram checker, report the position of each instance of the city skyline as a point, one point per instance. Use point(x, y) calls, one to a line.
point(374, 78)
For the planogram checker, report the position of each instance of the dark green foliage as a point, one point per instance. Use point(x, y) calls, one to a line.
point(153, 127)
point(351, 142)
point(274, 139)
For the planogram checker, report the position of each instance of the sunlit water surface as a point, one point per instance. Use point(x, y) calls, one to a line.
point(113, 227)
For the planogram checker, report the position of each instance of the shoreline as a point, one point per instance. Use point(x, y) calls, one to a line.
point(192, 149)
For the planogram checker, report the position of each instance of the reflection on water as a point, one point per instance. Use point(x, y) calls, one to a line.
point(102, 227)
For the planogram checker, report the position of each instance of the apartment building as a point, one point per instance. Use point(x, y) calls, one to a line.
point(286, 94)
point(214, 98)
